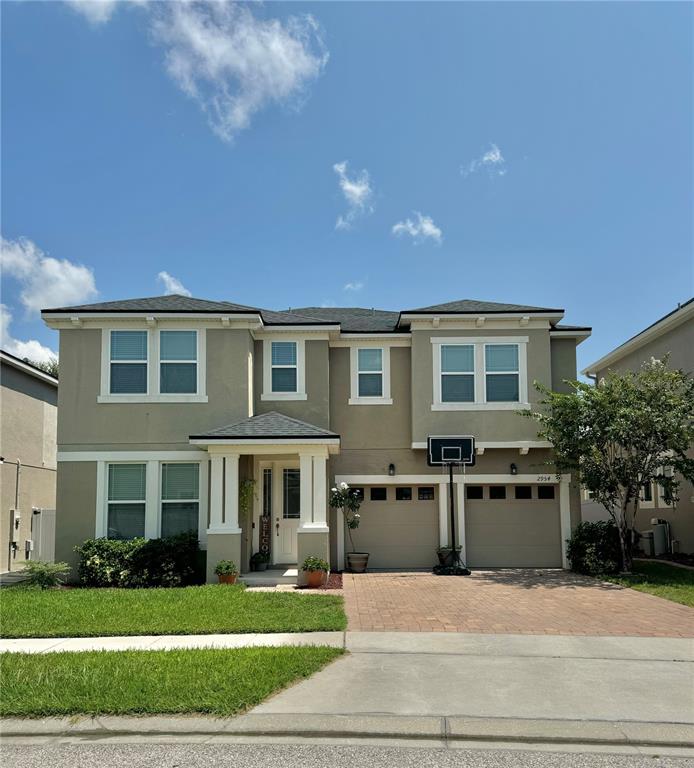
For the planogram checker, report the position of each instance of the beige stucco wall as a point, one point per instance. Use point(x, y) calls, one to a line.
point(75, 509)
point(563, 356)
point(678, 343)
point(315, 409)
point(486, 425)
point(27, 434)
point(84, 423)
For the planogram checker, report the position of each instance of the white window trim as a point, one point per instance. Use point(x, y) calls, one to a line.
point(355, 397)
point(153, 491)
point(153, 395)
point(479, 344)
point(300, 393)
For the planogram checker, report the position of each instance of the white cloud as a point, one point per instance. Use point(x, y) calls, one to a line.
point(353, 286)
point(173, 284)
point(30, 350)
point(95, 11)
point(357, 192)
point(234, 64)
point(492, 161)
point(423, 228)
point(46, 282)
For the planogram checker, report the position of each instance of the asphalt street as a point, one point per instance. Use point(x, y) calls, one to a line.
point(311, 756)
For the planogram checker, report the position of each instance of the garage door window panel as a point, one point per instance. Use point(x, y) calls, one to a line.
point(545, 492)
point(379, 494)
point(403, 494)
point(474, 492)
point(523, 492)
point(497, 492)
point(425, 493)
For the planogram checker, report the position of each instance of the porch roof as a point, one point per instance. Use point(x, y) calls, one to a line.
point(269, 426)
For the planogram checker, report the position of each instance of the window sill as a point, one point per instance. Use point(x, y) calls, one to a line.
point(151, 399)
point(480, 407)
point(370, 401)
point(283, 396)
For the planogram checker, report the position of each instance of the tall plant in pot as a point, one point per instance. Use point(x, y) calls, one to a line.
point(349, 500)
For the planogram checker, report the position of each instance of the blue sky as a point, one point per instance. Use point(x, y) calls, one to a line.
point(535, 153)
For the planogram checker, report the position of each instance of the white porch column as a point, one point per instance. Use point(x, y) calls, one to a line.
point(443, 515)
point(460, 503)
point(320, 490)
point(305, 490)
point(565, 516)
point(231, 493)
point(216, 498)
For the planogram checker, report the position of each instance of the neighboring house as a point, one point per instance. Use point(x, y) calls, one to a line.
point(167, 404)
point(28, 400)
point(672, 336)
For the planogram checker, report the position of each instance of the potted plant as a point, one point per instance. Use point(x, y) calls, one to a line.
point(259, 561)
point(445, 555)
point(226, 571)
point(349, 501)
point(315, 569)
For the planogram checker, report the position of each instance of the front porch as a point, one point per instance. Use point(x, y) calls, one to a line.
point(286, 460)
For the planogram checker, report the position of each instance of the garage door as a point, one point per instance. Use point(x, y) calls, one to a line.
point(398, 526)
point(503, 531)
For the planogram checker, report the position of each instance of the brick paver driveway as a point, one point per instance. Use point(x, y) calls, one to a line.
point(509, 601)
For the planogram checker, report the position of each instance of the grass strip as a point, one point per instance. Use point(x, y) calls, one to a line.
point(209, 609)
point(660, 579)
point(209, 681)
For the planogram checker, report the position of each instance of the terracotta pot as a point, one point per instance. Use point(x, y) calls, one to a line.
point(357, 561)
point(227, 578)
point(314, 579)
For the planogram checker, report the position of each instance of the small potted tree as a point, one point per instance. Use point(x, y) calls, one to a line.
point(259, 561)
point(349, 501)
point(315, 569)
point(226, 571)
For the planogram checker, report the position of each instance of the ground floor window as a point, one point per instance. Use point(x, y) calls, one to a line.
point(126, 500)
point(180, 498)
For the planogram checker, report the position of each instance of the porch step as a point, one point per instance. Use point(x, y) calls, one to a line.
point(270, 578)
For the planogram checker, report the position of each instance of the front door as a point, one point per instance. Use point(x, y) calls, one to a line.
point(286, 506)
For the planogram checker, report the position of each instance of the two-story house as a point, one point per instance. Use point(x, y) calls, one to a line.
point(167, 404)
point(671, 337)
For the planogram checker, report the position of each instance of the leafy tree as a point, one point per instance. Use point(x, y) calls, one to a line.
point(50, 366)
point(627, 431)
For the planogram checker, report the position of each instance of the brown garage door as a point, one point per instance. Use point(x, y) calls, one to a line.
point(512, 533)
point(398, 532)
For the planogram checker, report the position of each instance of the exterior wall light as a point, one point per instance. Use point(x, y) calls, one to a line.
point(391, 470)
point(514, 469)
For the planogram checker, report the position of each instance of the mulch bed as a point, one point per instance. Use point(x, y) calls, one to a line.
point(334, 582)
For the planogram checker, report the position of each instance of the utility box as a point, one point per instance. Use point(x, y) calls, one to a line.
point(660, 536)
point(646, 543)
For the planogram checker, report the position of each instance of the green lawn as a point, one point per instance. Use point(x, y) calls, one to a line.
point(217, 682)
point(661, 579)
point(31, 612)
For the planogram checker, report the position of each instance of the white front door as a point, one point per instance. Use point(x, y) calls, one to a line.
point(286, 507)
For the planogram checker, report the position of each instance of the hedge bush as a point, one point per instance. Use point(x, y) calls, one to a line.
point(168, 562)
point(594, 548)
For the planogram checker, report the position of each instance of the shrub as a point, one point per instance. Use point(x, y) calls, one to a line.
point(45, 575)
point(226, 568)
point(594, 548)
point(315, 564)
point(168, 562)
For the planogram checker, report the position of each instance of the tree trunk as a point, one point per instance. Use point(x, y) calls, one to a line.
point(625, 538)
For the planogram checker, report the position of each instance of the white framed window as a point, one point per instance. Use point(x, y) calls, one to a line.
point(664, 497)
point(128, 362)
point(284, 369)
point(370, 375)
point(180, 497)
point(126, 501)
point(501, 373)
point(178, 362)
point(485, 373)
point(153, 365)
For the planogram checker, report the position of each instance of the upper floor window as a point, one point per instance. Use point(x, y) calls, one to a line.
point(370, 374)
point(284, 378)
point(501, 373)
point(284, 375)
point(486, 373)
point(457, 373)
point(178, 367)
point(128, 366)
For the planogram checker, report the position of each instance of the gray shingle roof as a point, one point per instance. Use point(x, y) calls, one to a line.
point(267, 425)
point(176, 303)
point(354, 319)
point(472, 306)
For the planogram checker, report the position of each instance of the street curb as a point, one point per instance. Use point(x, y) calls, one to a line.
point(434, 728)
